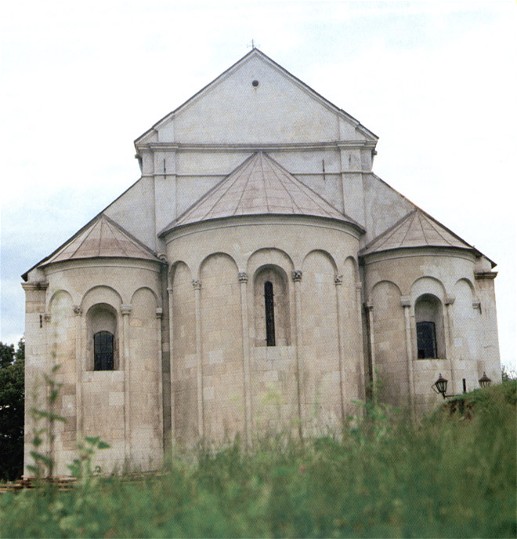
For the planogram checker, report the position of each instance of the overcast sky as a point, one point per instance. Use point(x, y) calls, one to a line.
point(80, 80)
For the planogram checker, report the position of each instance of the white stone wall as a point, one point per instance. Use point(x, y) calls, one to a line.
point(122, 406)
point(394, 282)
point(309, 380)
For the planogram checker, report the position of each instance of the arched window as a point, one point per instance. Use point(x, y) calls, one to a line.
point(426, 339)
point(103, 351)
point(270, 313)
point(429, 327)
point(102, 338)
point(272, 322)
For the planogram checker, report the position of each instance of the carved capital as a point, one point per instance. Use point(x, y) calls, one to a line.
point(47, 317)
point(338, 279)
point(405, 301)
point(297, 275)
point(126, 309)
point(196, 283)
point(243, 277)
point(159, 312)
point(368, 305)
point(77, 310)
point(449, 300)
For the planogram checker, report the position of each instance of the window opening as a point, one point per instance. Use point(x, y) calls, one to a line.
point(426, 340)
point(103, 351)
point(270, 313)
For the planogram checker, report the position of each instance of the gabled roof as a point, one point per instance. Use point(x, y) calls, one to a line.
point(258, 53)
point(416, 229)
point(259, 186)
point(101, 238)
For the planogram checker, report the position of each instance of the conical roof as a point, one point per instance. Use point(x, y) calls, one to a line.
point(103, 238)
point(259, 186)
point(416, 229)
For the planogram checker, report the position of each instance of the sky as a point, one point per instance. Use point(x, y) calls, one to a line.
point(81, 80)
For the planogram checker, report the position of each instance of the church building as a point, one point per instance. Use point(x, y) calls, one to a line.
point(258, 277)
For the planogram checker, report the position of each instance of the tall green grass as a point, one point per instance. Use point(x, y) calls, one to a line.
point(452, 475)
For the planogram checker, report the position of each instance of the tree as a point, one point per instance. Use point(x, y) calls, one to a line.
point(12, 395)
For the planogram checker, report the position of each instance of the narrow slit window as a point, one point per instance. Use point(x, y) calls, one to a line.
point(103, 351)
point(270, 313)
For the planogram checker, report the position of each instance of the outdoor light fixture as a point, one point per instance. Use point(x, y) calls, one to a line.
point(440, 386)
point(484, 381)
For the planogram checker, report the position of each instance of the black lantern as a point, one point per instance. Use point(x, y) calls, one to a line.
point(484, 381)
point(440, 386)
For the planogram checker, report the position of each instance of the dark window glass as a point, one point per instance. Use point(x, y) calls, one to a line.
point(270, 313)
point(426, 340)
point(103, 351)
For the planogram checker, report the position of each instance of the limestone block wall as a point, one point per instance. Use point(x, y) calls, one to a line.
point(123, 405)
point(184, 360)
point(395, 282)
point(226, 381)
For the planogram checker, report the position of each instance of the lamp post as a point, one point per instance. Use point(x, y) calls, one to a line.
point(440, 386)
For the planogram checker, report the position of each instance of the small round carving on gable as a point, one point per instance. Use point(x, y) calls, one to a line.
point(255, 83)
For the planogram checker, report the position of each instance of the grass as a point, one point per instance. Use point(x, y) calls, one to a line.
point(451, 476)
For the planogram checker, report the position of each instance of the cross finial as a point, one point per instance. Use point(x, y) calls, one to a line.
point(252, 44)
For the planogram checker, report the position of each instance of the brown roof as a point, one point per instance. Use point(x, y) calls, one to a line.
point(259, 186)
point(103, 238)
point(416, 229)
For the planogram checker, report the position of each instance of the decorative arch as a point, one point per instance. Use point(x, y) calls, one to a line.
point(214, 256)
point(102, 338)
point(430, 330)
point(174, 268)
point(467, 324)
point(387, 343)
point(272, 256)
point(351, 262)
point(57, 295)
point(382, 283)
point(271, 306)
point(219, 326)
point(428, 285)
point(138, 291)
point(101, 294)
point(323, 253)
point(62, 330)
point(466, 281)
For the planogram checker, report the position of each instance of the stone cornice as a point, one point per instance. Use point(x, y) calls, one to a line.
point(38, 285)
point(250, 147)
point(485, 274)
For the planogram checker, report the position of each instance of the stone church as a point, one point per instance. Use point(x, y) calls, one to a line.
point(257, 277)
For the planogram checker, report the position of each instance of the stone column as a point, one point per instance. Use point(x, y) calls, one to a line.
point(359, 337)
point(449, 345)
point(248, 415)
point(338, 281)
point(300, 378)
point(126, 311)
point(199, 355)
point(371, 343)
point(79, 367)
point(405, 301)
point(171, 351)
point(159, 369)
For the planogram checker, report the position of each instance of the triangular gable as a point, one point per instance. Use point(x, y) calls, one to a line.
point(259, 186)
point(416, 229)
point(151, 134)
point(100, 238)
